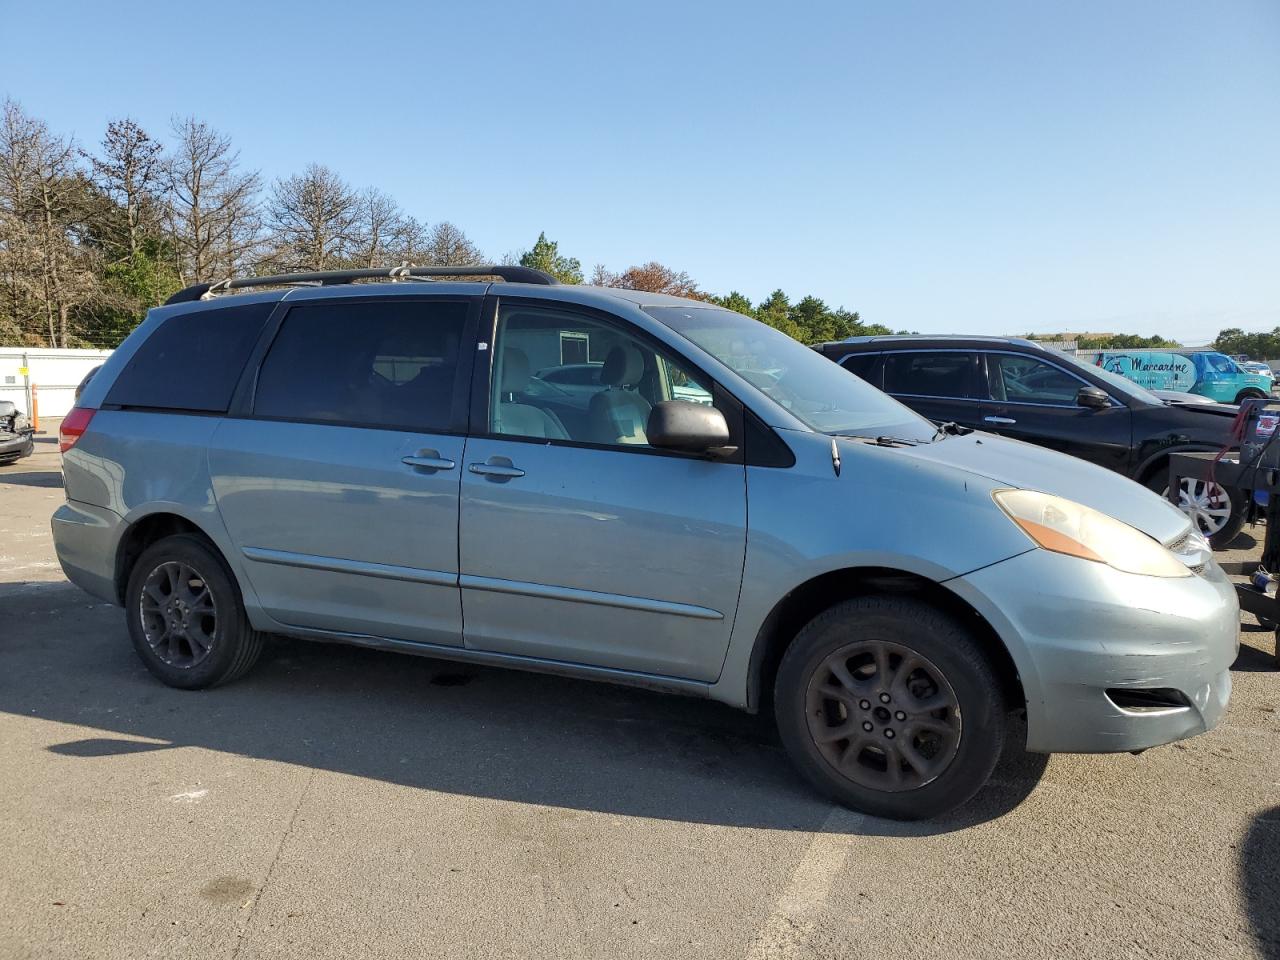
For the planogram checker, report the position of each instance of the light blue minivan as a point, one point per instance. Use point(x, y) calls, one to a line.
point(1203, 372)
point(727, 514)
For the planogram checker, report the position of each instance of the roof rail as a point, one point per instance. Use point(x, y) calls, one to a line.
point(325, 278)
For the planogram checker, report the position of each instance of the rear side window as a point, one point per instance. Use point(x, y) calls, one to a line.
point(390, 364)
point(860, 364)
point(938, 374)
point(191, 361)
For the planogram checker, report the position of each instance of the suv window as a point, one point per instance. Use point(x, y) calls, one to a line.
point(389, 364)
point(860, 364)
point(611, 406)
point(192, 360)
point(928, 374)
point(1017, 379)
point(578, 374)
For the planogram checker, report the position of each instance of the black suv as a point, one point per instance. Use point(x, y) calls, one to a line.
point(1021, 389)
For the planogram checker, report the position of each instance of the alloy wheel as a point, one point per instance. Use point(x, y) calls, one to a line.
point(178, 614)
point(883, 715)
point(1207, 504)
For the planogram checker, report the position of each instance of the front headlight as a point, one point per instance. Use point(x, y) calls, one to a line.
point(1065, 526)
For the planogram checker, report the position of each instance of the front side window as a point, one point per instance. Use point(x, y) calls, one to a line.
point(928, 374)
point(599, 402)
point(1016, 379)
point(390, 364)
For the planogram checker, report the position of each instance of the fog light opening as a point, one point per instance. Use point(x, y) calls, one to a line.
point(1148, 700)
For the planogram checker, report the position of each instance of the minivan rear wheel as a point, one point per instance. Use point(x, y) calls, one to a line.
point(890, 707)
point(186, 617)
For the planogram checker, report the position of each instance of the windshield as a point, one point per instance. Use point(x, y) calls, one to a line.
point(819, 393)
point(1220, 363)
point(1119, 384)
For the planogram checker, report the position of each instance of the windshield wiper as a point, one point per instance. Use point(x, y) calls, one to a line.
point(951, 429)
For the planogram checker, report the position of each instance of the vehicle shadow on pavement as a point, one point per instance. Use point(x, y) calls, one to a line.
point(32, 478)
point(435, 725)
point(1260, 876)
point(1255, 654)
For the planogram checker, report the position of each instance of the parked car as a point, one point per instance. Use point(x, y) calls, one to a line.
point(16, 434)
point(365, 464)
point(1260, 368)
point(1209, 374)
point(1029, 392)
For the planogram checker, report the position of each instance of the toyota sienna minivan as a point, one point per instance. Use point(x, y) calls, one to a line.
point(726, 514)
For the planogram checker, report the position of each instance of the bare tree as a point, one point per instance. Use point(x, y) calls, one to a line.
point(314, 220)
point(47, 272)
point(378, 230)
point(127, 172)
point(212, 204)
point(447, 246)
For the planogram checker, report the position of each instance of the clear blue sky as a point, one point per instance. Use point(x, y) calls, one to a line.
point(986, 167)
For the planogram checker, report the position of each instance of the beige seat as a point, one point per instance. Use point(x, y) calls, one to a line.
point(522, 419)
point(618, 414)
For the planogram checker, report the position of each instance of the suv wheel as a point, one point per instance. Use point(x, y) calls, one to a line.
point(1217, 512)
point(186, 617)
point(890, 707)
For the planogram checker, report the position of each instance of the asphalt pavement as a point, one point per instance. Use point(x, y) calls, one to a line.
point(343, 803)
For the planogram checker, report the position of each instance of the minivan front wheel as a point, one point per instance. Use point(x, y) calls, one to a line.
point(891, 707)
point(186, 617)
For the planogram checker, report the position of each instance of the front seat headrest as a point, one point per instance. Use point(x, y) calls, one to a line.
point(515, 370)
point(623, 366)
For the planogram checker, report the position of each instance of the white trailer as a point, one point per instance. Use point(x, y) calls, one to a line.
point(50, 375)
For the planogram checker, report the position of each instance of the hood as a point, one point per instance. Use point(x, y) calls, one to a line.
point(1210, 409)
point(1026, 466)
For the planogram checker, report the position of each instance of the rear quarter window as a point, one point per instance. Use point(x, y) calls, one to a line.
point(191, 361)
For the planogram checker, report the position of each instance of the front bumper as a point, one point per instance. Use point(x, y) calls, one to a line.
point(1078, 629)
point(15, 446)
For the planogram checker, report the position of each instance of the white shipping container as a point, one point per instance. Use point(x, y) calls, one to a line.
point(55, 374)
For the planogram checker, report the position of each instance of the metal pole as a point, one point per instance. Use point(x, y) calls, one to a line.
point(26, 380)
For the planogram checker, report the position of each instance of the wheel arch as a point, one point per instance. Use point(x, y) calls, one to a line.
point(1160, 460)
point(145, 530)
point(810, 598)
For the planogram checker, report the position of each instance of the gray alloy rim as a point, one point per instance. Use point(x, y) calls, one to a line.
point(178, 614)
point(1207, 504)
point(883, 716)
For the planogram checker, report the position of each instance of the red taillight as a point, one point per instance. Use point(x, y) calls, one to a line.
point(73, 426)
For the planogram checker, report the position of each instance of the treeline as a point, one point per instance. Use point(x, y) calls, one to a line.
point(1109, 341)
point(1258, 346)
point(91, 237)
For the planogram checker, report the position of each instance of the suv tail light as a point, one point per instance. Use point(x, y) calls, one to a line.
point(73, 426)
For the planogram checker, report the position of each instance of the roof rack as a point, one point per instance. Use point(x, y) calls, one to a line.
point(325, 278)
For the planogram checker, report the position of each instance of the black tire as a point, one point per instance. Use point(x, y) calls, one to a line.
point(233, 647)
point(1221, 539)
point(907, 628)
point(1250, 394)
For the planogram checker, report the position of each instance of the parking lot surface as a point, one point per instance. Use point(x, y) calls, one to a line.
point(339, 802)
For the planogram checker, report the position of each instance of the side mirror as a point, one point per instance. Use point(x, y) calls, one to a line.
point(688, 427)
point(1093, 398)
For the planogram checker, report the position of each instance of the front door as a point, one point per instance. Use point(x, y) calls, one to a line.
point(579, 541)
point(1034, 400)
point(339, 482)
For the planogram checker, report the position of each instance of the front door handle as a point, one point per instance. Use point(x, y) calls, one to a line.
point(496, 468)
point(1000, 420)
point(428, 460)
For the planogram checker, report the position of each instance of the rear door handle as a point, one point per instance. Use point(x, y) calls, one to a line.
point(498, 468)
point(428, 460)
point(1000, 420)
